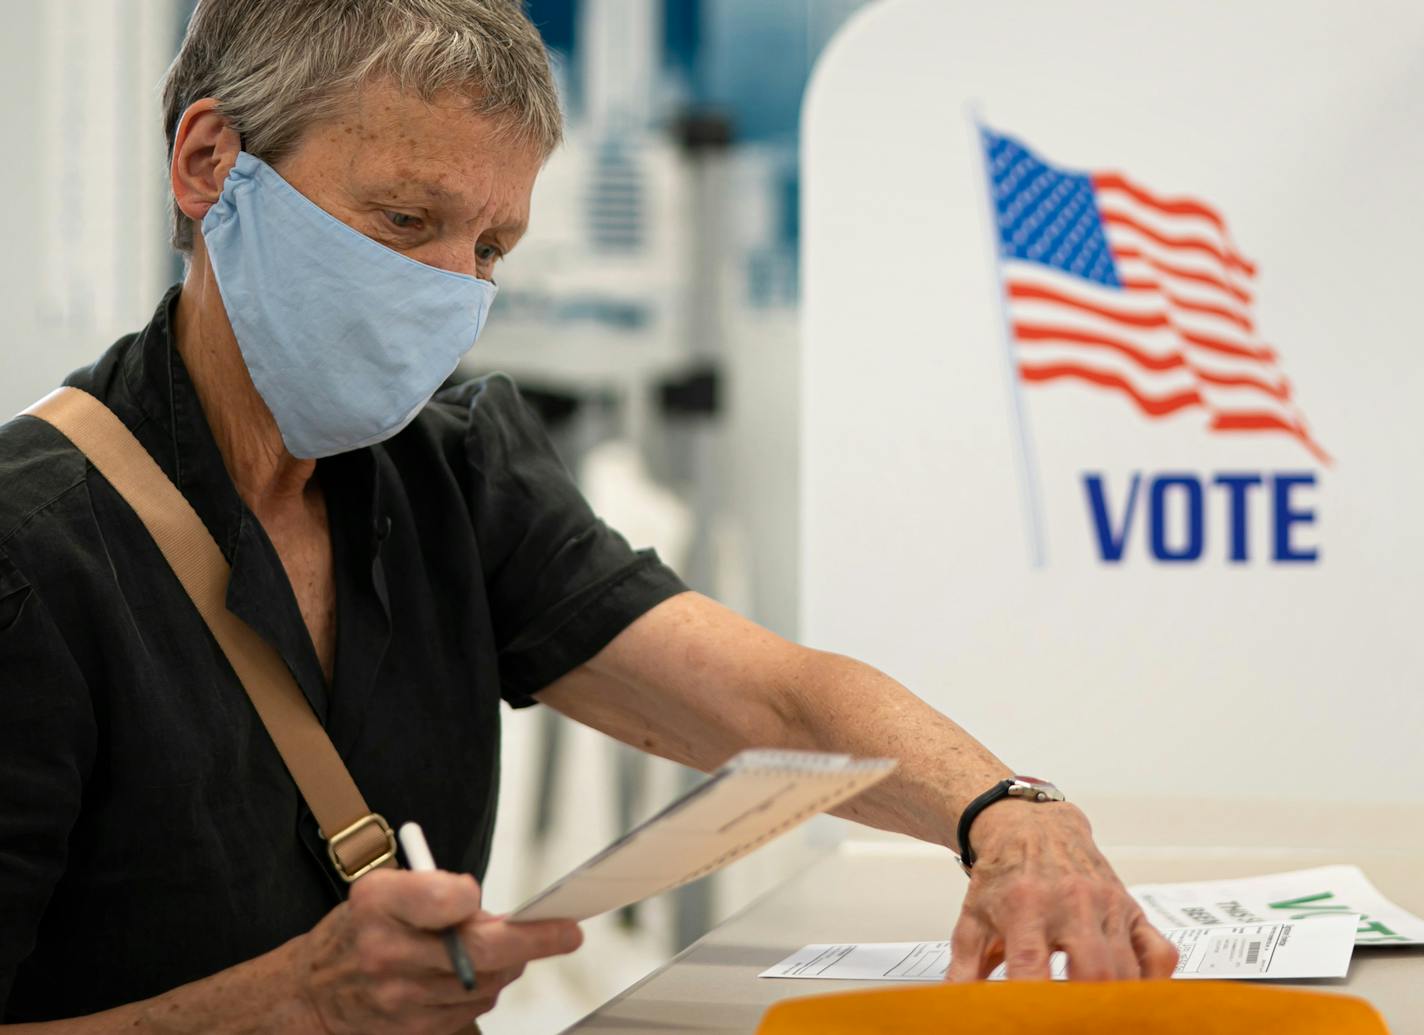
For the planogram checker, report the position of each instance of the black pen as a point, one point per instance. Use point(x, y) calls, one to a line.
point(417, 854)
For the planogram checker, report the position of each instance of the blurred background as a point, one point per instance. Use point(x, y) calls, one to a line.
point(650, 313)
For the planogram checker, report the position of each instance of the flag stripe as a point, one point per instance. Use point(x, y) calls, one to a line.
point(1189, 305)
point(1171, 206)
point(1279, 391)
point(1159, 384)
point(1226, 348)
point(1267, 422)
point(1153, 407)
point(1150, 328)
point(1154, 222)
point(1155, 333)
point(1228, 259)
point(1124, 238)
point(1139, 275)
point(1196, 276)
point(1030, 332)
point(1019, 290)
point(1038, 334)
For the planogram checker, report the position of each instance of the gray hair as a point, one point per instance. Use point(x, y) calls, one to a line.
point(276, 67)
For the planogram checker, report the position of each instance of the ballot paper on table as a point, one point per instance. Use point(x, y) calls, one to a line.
point(1281, 949)
point(1298, 895)
point(755, 797)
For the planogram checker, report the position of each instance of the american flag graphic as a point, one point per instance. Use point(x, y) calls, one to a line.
point(1109, 284)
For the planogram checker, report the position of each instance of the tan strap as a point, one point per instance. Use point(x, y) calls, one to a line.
point(357, 839)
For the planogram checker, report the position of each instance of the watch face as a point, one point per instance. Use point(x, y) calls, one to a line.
point(1030, 788)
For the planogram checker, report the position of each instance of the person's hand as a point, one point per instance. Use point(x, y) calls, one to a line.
point(1039, 885)
point(377, 962)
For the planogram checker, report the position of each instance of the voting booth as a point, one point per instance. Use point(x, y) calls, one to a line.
point(1111, 430)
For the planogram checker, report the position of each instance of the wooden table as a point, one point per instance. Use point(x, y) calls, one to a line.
point(881, 889)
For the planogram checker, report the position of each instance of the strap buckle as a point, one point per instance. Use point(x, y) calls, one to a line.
point(333, 842)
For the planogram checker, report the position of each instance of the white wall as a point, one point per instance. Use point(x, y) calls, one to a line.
point(84, 257)
point(1300, 121)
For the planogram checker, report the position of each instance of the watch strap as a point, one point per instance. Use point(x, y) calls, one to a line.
point(971, 812)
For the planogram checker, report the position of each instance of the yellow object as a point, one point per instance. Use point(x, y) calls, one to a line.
point(1066, 1008)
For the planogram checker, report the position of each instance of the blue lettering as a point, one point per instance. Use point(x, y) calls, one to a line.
point(1110, 543)
point(1236, 488)
point(1191, 550)
point(1286, 517)
point(1176, 515)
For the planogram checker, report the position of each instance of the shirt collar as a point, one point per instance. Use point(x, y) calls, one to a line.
point(172, 425)
point(160, 388)
point(160, 403)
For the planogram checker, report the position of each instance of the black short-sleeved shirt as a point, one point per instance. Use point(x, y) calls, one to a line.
point(149, 832)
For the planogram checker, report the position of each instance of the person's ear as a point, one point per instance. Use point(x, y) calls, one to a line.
point(205, 147)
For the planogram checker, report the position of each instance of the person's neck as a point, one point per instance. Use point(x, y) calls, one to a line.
point(267, 477)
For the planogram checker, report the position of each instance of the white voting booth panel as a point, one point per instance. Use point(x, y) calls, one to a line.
point(1247, 620)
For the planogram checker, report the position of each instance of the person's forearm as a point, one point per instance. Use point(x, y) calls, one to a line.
point(261, 995)
point(836, 703)
point(695, 682)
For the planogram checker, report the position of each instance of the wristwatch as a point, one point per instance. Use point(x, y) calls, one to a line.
point(1025, 788)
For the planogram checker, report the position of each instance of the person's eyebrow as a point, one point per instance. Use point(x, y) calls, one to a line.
point(511, 231)
point(429, 188)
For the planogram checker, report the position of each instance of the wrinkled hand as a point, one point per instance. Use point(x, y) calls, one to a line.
point(377, 962)
point(1039, 885)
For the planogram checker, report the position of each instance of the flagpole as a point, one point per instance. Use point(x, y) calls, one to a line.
point(1028, 462)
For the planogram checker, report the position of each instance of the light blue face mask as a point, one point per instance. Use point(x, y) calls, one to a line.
point(346, 340)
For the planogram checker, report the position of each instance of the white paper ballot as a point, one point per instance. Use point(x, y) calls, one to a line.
point(1319, 948)
point(1297, 895)
point(1283, 949)
point(757, 796)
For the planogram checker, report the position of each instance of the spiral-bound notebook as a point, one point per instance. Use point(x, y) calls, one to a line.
point(755, 797)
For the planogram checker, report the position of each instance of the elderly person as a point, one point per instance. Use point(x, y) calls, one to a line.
point(346, 175)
